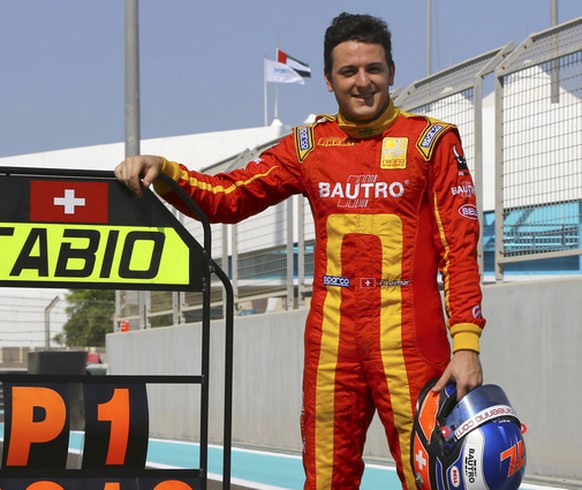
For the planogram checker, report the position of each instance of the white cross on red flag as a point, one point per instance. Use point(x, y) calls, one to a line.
point(68, 201)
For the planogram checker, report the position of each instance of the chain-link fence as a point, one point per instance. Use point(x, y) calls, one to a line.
point(539, 148)
point(455, 95)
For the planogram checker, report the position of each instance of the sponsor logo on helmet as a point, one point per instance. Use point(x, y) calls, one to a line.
point(359, 189)
point(470, 465)
point(421, 459)
point(469, 211)
point(473, 460)
point(516, 456)
point(455, 476)
point(483, 416)
point(338, 281)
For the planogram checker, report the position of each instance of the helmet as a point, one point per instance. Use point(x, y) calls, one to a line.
point(476, 443)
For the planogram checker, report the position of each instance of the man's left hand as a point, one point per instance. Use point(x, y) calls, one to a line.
point(465, 369)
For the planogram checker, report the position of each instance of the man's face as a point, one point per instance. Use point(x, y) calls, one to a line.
point(360, 77)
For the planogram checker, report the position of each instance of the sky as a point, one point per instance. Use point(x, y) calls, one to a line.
point(201, 62)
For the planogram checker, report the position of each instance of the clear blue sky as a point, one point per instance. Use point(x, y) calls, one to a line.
point(201, 62)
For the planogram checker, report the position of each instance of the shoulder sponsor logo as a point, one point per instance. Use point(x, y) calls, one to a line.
point(359, 189)
point(303, 141)
point(469, 211)
point(336, 141)
point(394, 153)
point(461, 160)
point(337, 281)
point(432, 133)
point(427, 140)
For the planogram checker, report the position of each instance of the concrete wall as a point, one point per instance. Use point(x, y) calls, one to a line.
point(531, 348)
point(13, 357)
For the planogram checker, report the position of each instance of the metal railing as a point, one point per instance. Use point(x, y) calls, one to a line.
point(455, 95)
point(539, 147)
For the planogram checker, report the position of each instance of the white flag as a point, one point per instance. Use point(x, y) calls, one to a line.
point(281, 73)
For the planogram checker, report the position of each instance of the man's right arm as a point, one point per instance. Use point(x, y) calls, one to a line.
point(225, 197)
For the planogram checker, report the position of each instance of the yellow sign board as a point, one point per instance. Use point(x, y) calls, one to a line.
point(102, 254)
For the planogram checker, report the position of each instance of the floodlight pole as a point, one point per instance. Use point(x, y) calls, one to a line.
point(132, 127)
point(132, 108)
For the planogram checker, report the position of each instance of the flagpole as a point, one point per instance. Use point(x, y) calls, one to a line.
point(265, 88)
point(276, 111)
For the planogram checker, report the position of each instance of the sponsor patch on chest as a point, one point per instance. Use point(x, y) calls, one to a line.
point(335, 141)
point(394, 151)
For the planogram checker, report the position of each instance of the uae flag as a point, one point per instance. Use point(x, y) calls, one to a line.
point(302, 68)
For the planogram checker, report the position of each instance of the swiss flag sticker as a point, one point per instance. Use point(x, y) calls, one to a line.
point(68, 201)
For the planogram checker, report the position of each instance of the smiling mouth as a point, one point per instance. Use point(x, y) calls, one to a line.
point(366, 98)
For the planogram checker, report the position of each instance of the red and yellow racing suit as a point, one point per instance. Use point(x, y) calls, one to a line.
point(393, 203)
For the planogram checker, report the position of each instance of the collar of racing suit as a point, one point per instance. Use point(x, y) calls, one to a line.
point(370, 128)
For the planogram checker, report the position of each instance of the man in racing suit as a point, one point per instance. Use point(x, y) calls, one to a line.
point(393, 204)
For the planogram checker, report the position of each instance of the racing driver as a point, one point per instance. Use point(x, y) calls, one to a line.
point(393, 204)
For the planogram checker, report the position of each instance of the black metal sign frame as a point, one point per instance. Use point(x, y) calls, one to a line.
point(46, 243)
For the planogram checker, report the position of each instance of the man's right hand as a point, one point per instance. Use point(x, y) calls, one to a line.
point(132, 169)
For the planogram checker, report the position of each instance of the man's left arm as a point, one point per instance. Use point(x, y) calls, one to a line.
point(456, 237)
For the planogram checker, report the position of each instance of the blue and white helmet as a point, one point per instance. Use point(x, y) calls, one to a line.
point(475, 444)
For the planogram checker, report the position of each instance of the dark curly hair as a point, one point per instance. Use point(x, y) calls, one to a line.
point(356, 27)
